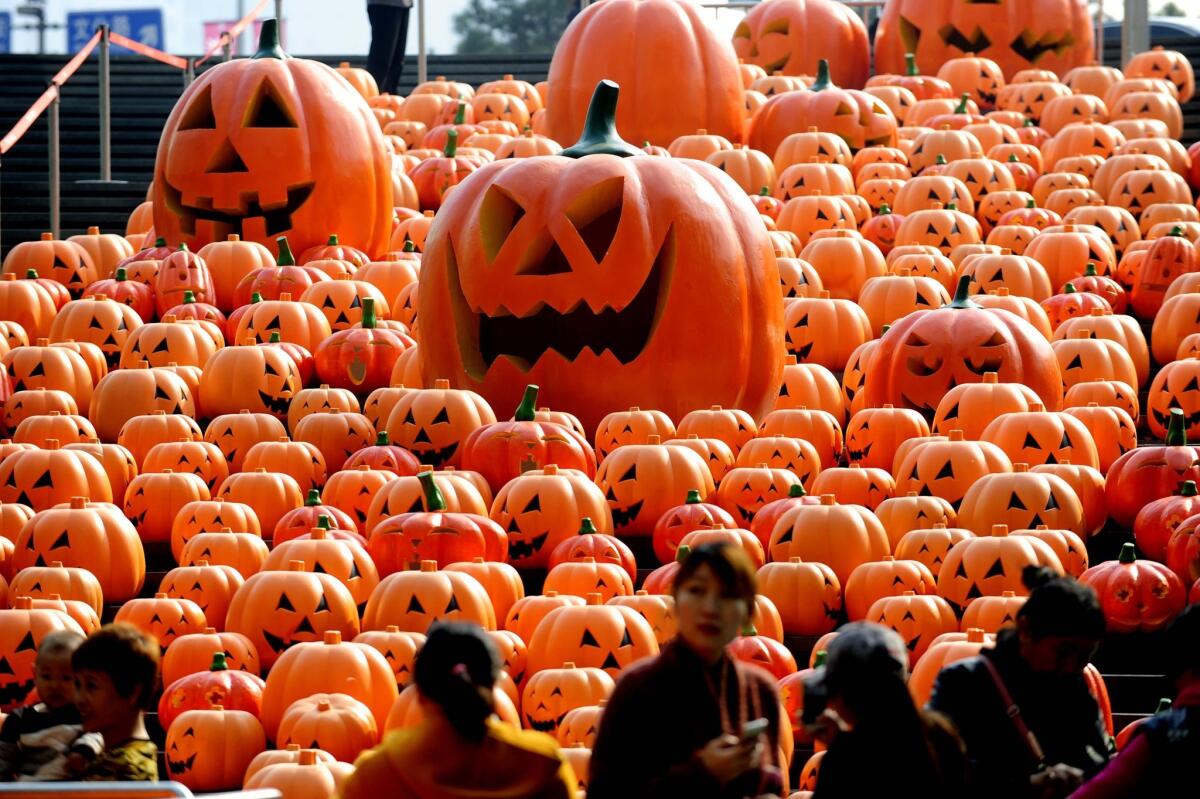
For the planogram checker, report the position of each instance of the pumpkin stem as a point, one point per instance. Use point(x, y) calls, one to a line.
point(333, 240)
point(693, 497)
point(324, 522)
point(682, 552)
point(368, 313)
point(313, 499)
point(285, 251)
point(1029, 123)
point(1090, 269)
point(1031, 203)
point(1176, 429)
point(962, 295)
point(820, 658)
point(451, 149)
point(1188, 488)
point(600, 127)
point(525, 411)
point(962, 104)
point(460, 116)
point(122, 274)
point(182, 247)
point(749, 631)
point(382, 440)
point(823, 80)
point(274, 339)
point(31, 274)
point(268, 41)
point(160, 242)
point(1070, 289)
point(940, 160)
point(884, 209)
point(1128, 553)
point(189, 297)
point(1176, 231)
point(434, 501)
point(796, 490)
point(255, 297)
point(764, 192)
point(409, 246)
point(586, 527)
point(218, 662)
point(910, 64)
point(1012, 158)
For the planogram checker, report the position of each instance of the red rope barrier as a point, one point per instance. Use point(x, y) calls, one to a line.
point(234, 31)
point(148, 51)
point(69, 69)
point(27, 119)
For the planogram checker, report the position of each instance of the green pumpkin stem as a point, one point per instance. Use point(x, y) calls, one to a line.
point(31, 274)
point(600, 127)
point(121, 275)
point(764, 192)
point(1012, 158)
point(368, 313)
point(460, 116)
point(268, 41)
point(333, 240)
point(526, 410)
point(218, 662)
point(160, 242)
point(285, 253)
point(749, 631)
point(819, 658)
point(409, 246)
point(275, 338)
point(1070, 289)
point(1188, 488)
point(884, 209)
point(189, 297)
point(586, 527)
point(962, 295)
point(182, 247)
point(910, 64)
point(255, 297)
point(796, 490)
point(451, 148)
point(693, 497)
point(1128, 553)
point(382, 440)
point(324, 522)
point(313, 499)
point(962, 104)
point(823, 81)
point(682, 552)
point(1176, 231)
point(940, 160)
point(434, 501)
point(1031, 203)
point(1029, 123)
point(1176, 429)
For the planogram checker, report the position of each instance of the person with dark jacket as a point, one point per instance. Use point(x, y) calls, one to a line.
point(1031, 726)
point(389, 36)
point(871, 718)
point(679, 725)
point(1161, 758)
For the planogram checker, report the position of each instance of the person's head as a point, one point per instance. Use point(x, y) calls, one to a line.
point(1183, 647)
point(1060, 625)
point(53, 675)
point(455, 673)
point(714, 597)
point(865, 671)
point(116, 672)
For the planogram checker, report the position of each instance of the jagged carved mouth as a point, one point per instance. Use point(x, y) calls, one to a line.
point(277, 217)
point(518, 550)
point(524, 339)
point(181, 766)
point(275, 405)
point(15, 692)
point(625, 516)
point(977, 40)
point(549, 725)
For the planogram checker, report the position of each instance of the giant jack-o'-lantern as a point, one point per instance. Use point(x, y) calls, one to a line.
point(1016, 34)
point(564, 271)
point(273, 145)
point(636, 43)
point(778, 34)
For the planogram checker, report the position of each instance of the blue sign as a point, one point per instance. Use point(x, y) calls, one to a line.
point(5, 32)
point(143, 25)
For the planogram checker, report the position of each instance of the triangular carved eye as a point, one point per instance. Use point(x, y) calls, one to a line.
point(499, 213)
point(199, 115)
point(596, 213)
point(268, 109)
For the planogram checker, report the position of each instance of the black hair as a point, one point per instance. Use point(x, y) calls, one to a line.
point(127, 655)
point(731, 566)
point(457, 669)
point(1183, 643)
point(1059, 605)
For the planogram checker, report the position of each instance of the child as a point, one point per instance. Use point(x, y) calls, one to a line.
point(116, 671)
point(23, 748)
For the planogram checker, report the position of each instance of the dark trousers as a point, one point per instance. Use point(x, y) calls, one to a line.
point(389, 34)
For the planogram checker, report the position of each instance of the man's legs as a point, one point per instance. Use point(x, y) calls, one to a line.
point(384, 22)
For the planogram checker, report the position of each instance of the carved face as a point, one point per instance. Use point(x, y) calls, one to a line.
point(606, 637)
point(991, 565)
point(539, 511)
point(745, 490)
point(249, 149)
point(1136, 190)
point(947, 469)
point(20, 635)
point(521, 283)
point(414, 600)
point(642, 481)
point(432, 423)
point(278, 609)
point(506, 107)
point(930, 546)
point(1176, 386)
point(1166, 65)
point(551, 693)
point(1019, 34)
point(163, 617)
point(918, 620)
point(1023, 501)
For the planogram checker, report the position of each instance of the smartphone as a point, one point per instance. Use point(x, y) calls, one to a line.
point(753, 729)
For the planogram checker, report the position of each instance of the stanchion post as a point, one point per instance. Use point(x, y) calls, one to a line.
point(54, 166)
point(422, 65)
point(105, 109)
point(189, 73)
point(279, 16)
point(1135, 30)
point(226, 46)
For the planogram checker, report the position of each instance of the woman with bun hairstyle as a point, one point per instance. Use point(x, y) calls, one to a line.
point(1023, 709)
point(460, 749)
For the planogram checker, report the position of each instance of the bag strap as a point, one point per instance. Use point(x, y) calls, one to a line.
point(1014, 714)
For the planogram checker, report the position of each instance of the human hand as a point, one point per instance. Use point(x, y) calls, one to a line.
point(827, 726)
point(1057, 780)
point(726, 758)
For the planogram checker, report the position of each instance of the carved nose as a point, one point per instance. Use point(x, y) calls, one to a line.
point(226, 160)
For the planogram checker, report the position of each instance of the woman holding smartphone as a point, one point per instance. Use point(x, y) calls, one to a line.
point(693, 721)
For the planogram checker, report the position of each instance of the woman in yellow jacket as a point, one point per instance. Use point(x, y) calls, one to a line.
point(461, 750)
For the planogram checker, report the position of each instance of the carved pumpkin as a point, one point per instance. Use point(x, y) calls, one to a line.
point(337, 723)
point(413, 600)
point(807, 595)
point(162, 617)
point(232, 688)
point(194, 654)
point(1136, 595)
point(1147, 473)
point(948, 468)
point(805, 531)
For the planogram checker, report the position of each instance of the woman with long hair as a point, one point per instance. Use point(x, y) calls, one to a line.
point(460, 750)
point(693, 722)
